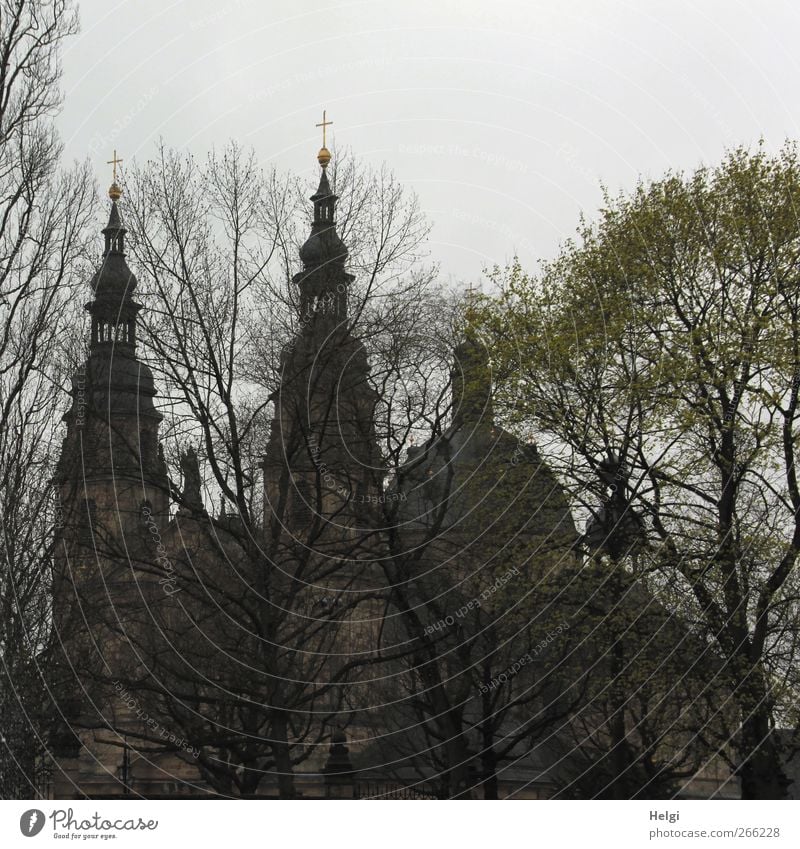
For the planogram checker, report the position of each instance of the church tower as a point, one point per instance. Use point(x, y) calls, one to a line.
point(112, 499)
point(323, 477)
point(110, 457)
point(322, 465)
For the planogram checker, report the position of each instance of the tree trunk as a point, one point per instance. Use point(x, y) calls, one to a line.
point(490, 783)
point(283, 760)
point(761, 772)
point(458, 759)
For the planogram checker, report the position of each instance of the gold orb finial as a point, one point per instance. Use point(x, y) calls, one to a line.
point(324, 155)
point(114, 191)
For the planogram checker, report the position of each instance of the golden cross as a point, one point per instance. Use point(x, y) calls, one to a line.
point(324, 124)
point(116, 161)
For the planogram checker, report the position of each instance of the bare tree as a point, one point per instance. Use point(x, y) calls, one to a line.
point(213, 245)
point(43, 218)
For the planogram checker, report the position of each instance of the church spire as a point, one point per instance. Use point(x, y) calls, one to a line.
point(324, 199)
point(113, 309)
point(112, 423)
point(323, 282)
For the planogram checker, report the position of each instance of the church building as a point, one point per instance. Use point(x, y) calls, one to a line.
point(152, 590)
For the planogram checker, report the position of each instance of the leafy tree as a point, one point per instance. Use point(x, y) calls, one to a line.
point(668, 334)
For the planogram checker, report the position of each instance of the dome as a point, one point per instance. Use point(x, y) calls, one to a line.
point(323, 246)
point(487, 482)
point(477, 484)
point(122, 371)
point(113, 278)
point(115, 382)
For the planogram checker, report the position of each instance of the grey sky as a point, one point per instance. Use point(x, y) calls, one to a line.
point(504, 116)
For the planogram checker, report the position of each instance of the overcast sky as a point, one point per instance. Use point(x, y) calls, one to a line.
point(504, 115)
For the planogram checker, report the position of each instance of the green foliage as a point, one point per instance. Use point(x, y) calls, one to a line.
point(668, 333)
